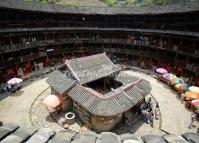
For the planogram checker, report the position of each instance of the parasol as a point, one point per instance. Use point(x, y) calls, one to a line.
point(52, 101)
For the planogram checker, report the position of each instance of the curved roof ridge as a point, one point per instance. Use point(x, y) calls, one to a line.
point(113, 104)
point(90, 68)
point(86, 57)
point(30, 6)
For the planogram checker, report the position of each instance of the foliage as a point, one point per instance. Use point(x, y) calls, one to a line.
point(110, 2)
point(71, 3)
point(44, 1)
point(144, 2)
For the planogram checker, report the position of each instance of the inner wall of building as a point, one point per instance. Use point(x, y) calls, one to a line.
point(137, 40)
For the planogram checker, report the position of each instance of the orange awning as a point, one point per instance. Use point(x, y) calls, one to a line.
point(191, 95)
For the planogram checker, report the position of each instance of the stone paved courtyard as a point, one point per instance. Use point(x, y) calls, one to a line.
point(25, 108)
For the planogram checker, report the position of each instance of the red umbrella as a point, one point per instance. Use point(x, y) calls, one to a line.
point(52, 101)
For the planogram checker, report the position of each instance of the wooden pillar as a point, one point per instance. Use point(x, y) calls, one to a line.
point(10, 40)
point(104, 84)
point(59, 38)
point(45, 34)
point(176, 57)
point(1, 55)
point(187, 60)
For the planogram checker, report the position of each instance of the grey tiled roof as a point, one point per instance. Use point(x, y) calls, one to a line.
point(45, 135)
point(42, 136)
point(153, 139)
point(125, 78)
point(6, 129)
point(107, 137)
point(114, 102)
point(60, 82)
point(175, 8)
point(20, 135)
point(191, 137)
point(91, 68)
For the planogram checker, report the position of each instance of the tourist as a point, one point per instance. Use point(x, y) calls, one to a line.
point(144, 115)
point(8, 88)
point(182, 97)
point(157, 112)
point(179, 72)
point(142, 65)
point(28, 67)
point(20, 72)
point(150, 118)
point(16, 70)
point(147, 116)
point(194, 117)
point(10, 73)
point(2, 89)
point(159, 65)
point(13, 89)
point(197, 81)
point(147, 111)
point(1, 75)
point(143, 105)
point(168, 68)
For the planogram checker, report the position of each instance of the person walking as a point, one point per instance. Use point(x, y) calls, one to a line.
point(182, 97)
point(1, 76)
point(168, 68)
point(144, 115)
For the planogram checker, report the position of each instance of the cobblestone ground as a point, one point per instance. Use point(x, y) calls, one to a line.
point(40, 115)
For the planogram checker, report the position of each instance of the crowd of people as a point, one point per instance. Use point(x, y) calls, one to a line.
point(182, 93)
point(7, 88)
point(180, 72)
point(20, 71)
point(148, 111)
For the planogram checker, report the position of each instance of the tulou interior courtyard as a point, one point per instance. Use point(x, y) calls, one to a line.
point(99, 71)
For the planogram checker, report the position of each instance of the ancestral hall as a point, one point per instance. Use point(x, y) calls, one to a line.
point(97, 90)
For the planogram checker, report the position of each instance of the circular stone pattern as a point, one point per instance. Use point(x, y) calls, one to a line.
point(39, 114)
